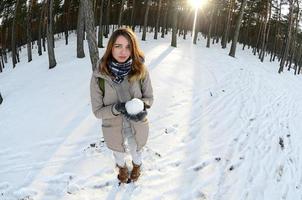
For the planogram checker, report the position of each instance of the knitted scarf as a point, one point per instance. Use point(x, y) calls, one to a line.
point(120, 70)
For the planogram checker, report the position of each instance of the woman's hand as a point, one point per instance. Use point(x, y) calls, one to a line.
point(138, 117)
point(120, 107)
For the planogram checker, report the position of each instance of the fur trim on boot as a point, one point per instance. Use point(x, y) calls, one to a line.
point(136, 172)
point(123, 175)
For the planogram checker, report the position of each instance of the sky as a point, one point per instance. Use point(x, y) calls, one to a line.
point(220, 128)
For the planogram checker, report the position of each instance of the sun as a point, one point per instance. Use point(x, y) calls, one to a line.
point(196, 3)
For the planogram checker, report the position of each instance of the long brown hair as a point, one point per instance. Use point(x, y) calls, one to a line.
point(138, 70)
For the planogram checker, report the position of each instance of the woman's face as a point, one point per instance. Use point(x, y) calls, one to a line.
point(121, 49)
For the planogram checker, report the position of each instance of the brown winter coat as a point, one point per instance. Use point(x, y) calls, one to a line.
point(112, 125)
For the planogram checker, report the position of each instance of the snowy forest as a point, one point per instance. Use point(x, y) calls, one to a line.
point(226, 119)
point(270, 27)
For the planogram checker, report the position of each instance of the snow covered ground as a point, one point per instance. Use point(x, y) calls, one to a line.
point(222, 128)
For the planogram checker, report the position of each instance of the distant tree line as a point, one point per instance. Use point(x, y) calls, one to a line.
point(256, 24)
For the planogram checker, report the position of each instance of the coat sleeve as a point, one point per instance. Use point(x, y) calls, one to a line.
point(147, 90)
point(98, 108)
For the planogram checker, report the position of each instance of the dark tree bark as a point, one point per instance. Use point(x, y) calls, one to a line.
point(225, 37)
point(13, 46)
point(293, 49)
point(266, 30)
point(164, 25)
point(50, 42)
point(80, 31)
point(132, 21)
point(210, 26)
point(41, 24)
point(1, 99)
point(277, 35)
point(28, 31)
point(237, 28)
point(174, 24)
point(147, 5)
point(101, 26)
point(67, 7)
point(289, 35)
point(91, 35)
point(121, 13)
point(1, 61)
point(256, 47)
point(107, 18)
point(157, 20)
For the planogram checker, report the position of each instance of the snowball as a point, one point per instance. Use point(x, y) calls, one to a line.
point(134, 106)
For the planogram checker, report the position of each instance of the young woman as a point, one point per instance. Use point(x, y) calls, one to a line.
point(119, 77)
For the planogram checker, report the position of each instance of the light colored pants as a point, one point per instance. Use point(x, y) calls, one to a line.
point(131, 147)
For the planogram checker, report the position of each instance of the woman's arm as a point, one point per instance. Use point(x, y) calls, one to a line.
point(98, 108)
point(147, 90)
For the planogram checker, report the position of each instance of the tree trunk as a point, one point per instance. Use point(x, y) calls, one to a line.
point(107, 18)
point(147, 4)
point(1, 99)
point(41, 23)
point(265, 31)
point(237, 28)
point(132, 21)
point(101, 27)
point(50, 47)
point(2, 53)
point(28, 31)
point(174, 24)
point(80, 31)
point(225, 37)
point(210, 26)
point(164, 22)
point(289, 34)
point(157, 19)
point(293, 50)
point(14, 48)
point(196, 27)
point(277, 35)
point(91, 35)
point(1, 61)
point(67, 6)
point(121, 13)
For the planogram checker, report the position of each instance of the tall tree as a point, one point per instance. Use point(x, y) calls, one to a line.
point(195, 26)
point(174, 24)
point(40, 28)
point(225, 36)
point(107, 18)
point(50, 41)
point(91, 35)
point(80, 31)
point(121, 13)
point(164, 24)
point(147, 5)
point(289, 35)
point(67, 7)
point(132, 21)
point(266, 30)
point(13, 46)
point(1, 99)
point(237, 28)
point(101, 26)
point(28, 30)
point(213, 10)
point(157, 19)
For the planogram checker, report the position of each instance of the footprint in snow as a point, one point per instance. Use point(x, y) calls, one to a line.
point(61, 184)
point(25, 194)
point(95, 147)
point(4, 189)
point(171, 130)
